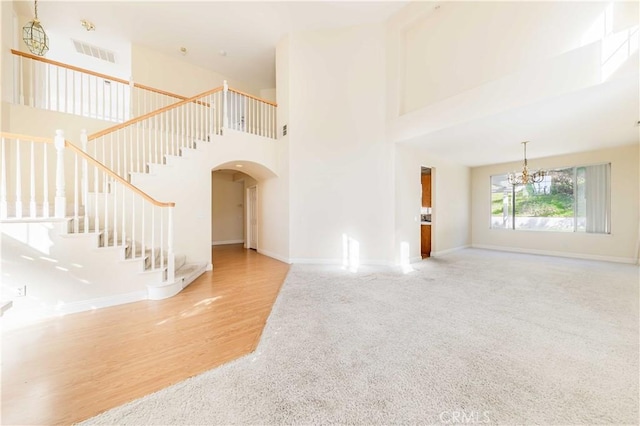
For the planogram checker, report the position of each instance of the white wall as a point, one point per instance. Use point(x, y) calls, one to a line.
point(341, 166)
point(175, 75)
point(227, 209)
point(621, 245)
point(451, 201)
point(268, 94)
point(192, 192)
point(62, 49)
point(7, 35)
point(274, 229)
point(446, 49)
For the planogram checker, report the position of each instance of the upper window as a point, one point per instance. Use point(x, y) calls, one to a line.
point(573, 199)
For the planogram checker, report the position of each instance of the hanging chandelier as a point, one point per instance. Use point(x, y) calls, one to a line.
point(525, 176)
point(34, 36)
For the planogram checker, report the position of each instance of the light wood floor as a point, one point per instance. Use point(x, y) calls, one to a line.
point(69, 369)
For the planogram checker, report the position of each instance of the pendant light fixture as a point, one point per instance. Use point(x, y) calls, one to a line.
point(526, 177)
point(34, 36)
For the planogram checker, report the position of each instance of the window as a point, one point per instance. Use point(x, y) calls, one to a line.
point(574, 199)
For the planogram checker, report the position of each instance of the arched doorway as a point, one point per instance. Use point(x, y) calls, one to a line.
point(236, 205)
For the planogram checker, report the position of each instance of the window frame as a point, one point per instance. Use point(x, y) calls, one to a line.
point(512, 225)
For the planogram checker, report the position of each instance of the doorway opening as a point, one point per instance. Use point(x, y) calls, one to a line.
point(426, 211)
point(233, 214)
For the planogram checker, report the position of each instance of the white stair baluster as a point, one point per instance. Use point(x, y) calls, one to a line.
point(133, 224)
point(153, 237)
point(82, 94)
point(188, 124)
point(57, 92)
point(96, 221)
point(163, 148)
point(130, 140)
point(225, 113)
point(48, 87)
point(155, 138)
point(172, 122)
point(4, 205)
point(196, 112)
point(140, 159)
point(32, 182)
point(85, 181)
point(113, 195)
point(143, 231)
point(76, 196)
point(73, 92)
point(60, 200)
point(111, 98)
point(116, 116)
point(114, 165)
point(20, 82)
point(181, 130)
point(105, 197)
point(96, 97)
point(103, 144)
point(104, 100)
point(171, 266)
point(161, 246)
point(65, 97)
point(121, 152)
point(32, 82)
point(123, 222)
point(134, 105)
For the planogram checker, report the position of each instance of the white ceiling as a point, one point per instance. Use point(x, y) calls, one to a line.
point(601, 116)
point(247, 31)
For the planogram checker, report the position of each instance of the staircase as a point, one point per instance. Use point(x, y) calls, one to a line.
point(103, 243)
point(78, 235)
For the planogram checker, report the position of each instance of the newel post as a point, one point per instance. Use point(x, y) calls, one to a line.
point(225, 116)
point(85, 173)
point(171, 259)
point(60, 200)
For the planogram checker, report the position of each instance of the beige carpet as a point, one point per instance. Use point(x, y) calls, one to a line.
point(472, 337)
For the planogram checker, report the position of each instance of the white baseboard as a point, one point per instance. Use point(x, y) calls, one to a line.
point(451, 250)
point(558, 254)
point(316, 261)
point(275, 256)
point(101, 302)
point(224, 242)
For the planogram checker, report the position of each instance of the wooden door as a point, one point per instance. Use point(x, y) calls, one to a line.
point(426, 190)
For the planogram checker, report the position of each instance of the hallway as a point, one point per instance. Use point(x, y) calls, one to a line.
point(71, 368)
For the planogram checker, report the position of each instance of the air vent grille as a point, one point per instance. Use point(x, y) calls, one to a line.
point(96, 52)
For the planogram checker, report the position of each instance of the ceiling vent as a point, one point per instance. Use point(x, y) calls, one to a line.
point(96, 52)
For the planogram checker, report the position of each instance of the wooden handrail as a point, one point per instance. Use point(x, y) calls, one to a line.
point(119, 80)
point(253, 97)
point(96, 74)
point(152, 113)
point(91, 160)
point(114, 175)
point(26, 137)
point(67, 66)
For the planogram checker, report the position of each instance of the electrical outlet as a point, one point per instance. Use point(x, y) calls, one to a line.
point(21, 291)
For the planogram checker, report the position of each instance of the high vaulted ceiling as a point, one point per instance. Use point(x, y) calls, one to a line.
point(246, 31)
